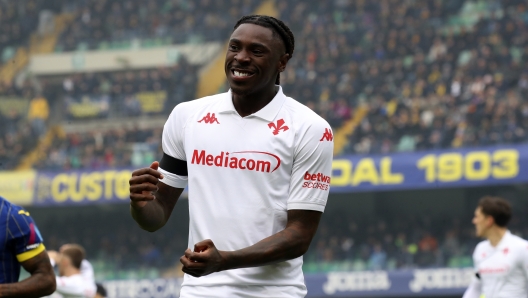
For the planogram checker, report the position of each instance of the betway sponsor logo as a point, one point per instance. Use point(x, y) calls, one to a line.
point(430, 279)
point(356, 281)
point(317, 181)
point(244, 160)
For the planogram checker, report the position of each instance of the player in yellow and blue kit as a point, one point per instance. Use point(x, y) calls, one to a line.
point(21, 245)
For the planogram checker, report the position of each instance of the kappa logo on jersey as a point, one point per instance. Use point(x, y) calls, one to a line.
point(278, 127)
point(327, 136)
point(257, 161)
point(505, 251)
point(209, 118)
point(316, 181)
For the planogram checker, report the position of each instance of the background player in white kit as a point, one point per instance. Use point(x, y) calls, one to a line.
point(501, 261)
point(258, 166)
point(72, 283)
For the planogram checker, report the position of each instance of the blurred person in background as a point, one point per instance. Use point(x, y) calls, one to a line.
point(500, 261)
point(86, 268)
point(22, 245)
point(71, 283)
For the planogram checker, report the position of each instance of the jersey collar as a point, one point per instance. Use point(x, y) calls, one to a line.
point(503, 239)
point(267, 113)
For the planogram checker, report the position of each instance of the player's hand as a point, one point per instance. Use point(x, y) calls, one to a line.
point(204, 260)
point(142, 185)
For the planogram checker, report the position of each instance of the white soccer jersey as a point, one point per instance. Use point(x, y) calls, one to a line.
point(76, 286)
point(502, 270)
point(244, 173)
point(87, 270)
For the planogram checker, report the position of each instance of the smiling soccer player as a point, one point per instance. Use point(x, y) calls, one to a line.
point(257, 164)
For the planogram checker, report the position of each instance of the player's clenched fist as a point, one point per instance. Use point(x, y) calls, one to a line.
point(143, 183)
point(204, 260)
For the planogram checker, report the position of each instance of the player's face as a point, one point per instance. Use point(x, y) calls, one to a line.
point(253, 59)
point(481, 222)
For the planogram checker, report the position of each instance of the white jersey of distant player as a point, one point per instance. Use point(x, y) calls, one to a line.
point(76, 286)
point(502, 270)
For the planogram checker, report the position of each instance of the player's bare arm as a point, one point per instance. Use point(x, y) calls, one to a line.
point(40, 283)
point(290, 243)
point(151, 201)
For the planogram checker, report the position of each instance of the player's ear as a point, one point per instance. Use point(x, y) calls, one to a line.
point(490, 220)
point(283, 61)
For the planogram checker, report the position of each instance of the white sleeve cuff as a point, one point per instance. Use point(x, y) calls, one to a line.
point(173, 179)
point(306, 206)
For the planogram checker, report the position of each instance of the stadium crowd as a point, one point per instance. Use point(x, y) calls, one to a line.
point(18, 19)
point(429, 79)
point(118, 246)
point(100, 23)
point(433, 74)
point(119, 90)
point(134, 147)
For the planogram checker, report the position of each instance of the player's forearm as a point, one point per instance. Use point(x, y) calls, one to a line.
point(288, 244)
point(155, 214)
point(150, 217)
point(37, 285)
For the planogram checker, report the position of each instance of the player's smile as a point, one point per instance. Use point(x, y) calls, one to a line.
point(241, 75)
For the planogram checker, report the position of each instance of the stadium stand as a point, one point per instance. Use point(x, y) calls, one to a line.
point(18, 20)
point(111, 25)
point(435, 74)
point(341, 243)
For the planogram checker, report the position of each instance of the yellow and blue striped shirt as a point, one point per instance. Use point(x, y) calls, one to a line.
point(20, 240)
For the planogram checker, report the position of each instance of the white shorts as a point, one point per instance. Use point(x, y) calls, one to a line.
point(242, 292)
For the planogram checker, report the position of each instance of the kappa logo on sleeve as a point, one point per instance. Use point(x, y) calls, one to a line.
point(327, 135)
point(209, 119)
point(316, 181)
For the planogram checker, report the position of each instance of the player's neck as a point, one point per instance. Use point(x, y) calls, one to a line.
point(247, 104)
point(495, 235)
point(71, 271)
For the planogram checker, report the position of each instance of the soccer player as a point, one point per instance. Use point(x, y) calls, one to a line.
point(86, 267)
point(501, 261)
point(71, 283)
point(258, 166)
point(22, 245)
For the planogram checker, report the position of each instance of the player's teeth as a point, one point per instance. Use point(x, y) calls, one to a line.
point(240, 74)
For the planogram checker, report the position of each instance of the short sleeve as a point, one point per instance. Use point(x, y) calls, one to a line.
point(172, 143)
point(25, 236)
point(312, 167)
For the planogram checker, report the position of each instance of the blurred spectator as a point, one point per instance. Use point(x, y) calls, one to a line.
point(102, 24)
point(38, 114)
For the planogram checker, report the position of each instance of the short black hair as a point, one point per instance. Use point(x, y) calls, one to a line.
point(277, 26)
point(496, 207)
